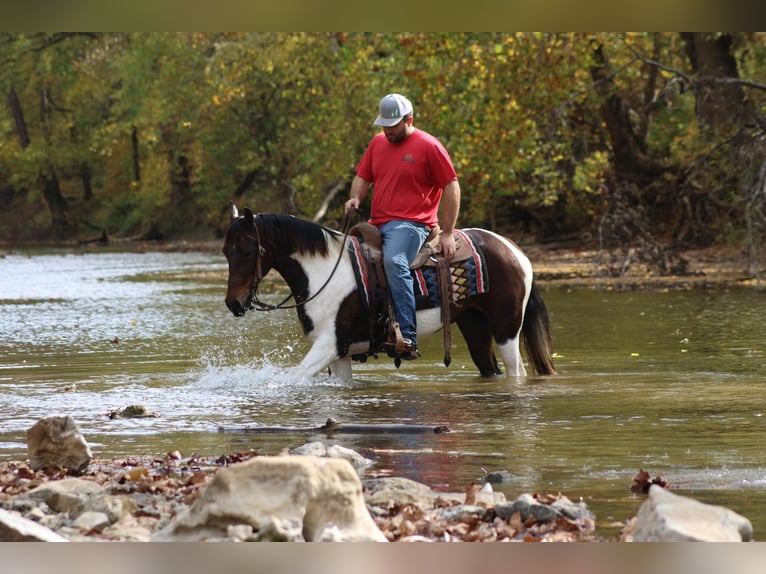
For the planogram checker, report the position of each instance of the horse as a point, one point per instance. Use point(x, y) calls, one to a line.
point(316, 265)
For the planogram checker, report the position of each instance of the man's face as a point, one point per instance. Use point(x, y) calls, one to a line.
point(399, 132)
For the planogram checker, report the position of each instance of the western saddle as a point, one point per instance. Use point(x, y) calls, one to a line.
point(371, 244)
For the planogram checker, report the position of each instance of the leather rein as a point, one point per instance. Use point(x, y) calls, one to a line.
point(259, 305)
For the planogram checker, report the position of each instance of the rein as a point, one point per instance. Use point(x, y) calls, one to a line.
point(259, 305)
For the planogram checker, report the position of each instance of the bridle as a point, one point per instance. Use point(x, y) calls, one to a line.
point(257, 304)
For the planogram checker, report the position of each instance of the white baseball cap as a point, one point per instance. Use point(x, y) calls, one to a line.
point(393, 108)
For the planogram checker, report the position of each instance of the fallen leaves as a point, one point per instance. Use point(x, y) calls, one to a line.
point(478, 523)
point(643, 481)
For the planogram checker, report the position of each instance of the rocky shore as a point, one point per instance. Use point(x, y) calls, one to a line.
point(309, 493)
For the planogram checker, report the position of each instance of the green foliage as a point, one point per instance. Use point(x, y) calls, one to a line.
point(165, 128)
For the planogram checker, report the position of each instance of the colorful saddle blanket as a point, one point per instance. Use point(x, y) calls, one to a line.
point(468, 277)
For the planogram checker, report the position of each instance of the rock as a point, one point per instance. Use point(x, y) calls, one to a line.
point(668, 517)
point(66, 495)
point(526, 506)
point(357, 460)
point(572, 510)
point(291, 498)
point(14, 528)
point(460, 512)
point(91, 520)
point(498, 476)
point(132, 412)
point(387, 492)
point(318, 448)
point(56, 442)
point(130, 529)
point(115, 507)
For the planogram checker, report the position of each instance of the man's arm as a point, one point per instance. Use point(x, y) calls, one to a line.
point(359, 189)
point(450, 208)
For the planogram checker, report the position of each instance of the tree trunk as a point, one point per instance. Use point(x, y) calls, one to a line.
point(18, 118)
point(246, 183)
point(87, 182)
point(136, 162)
point(628, 149)
point(180, 181)
point(57, 205)
point(720, 105)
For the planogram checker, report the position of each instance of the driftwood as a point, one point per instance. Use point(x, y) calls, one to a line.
point(332, 426)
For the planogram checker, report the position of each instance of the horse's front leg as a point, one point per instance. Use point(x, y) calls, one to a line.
point(319, 357)
point(341, 369)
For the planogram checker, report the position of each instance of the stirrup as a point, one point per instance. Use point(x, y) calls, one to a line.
point(404, 350)
point(410, 351)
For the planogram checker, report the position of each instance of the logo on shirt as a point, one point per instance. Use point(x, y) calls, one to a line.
point(409, 158)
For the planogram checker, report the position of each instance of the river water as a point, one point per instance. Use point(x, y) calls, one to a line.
point(670, 382)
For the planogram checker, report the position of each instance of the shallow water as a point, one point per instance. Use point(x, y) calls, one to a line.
point(669, 382)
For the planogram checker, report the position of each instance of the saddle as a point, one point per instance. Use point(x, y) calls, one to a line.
point(429, 256)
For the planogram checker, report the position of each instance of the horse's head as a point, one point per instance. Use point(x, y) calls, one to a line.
point(244, 254)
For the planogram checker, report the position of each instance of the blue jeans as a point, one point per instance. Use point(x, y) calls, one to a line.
point(401, 242)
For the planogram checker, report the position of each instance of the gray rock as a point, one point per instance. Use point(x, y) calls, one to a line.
point(668, 517)
point(389, 491)
point(115, 507)
point(295, 497)
point(572, 510)
point(318, 448)
point(461, 511)
point(67, 495)
point(14, 528)
point(91, 520)
point(526, 506)
point(132, 412)
point(128, 529)
point(357, 460)
point(56, 442)
point(498, 476)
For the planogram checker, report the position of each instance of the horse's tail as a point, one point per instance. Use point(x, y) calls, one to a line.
point(536, 332)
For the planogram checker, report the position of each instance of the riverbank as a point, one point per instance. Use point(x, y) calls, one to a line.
point(591, 267)
point(132, 499)
point(563, 264)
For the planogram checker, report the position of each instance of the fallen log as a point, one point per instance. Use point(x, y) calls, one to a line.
point(331, 426)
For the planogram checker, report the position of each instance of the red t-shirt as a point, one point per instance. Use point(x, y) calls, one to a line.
point(408, 177)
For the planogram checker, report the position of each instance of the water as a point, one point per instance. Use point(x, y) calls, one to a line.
point(669, 382)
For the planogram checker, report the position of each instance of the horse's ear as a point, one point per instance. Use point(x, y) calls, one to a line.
point(249, 217)
point(233, 211)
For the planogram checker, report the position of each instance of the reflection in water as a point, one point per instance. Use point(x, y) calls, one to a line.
point(668, 382)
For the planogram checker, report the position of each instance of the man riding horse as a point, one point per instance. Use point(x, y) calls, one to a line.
point(412, 174)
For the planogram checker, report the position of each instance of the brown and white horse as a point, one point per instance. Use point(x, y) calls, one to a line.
point(317, 267)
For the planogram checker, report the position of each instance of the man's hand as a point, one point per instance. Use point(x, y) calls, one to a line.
point(447, 245)
point(352, 204)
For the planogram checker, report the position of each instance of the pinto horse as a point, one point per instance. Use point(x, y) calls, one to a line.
point(317, 267)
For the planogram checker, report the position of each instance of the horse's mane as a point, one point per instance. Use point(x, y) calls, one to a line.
point(293, 234)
